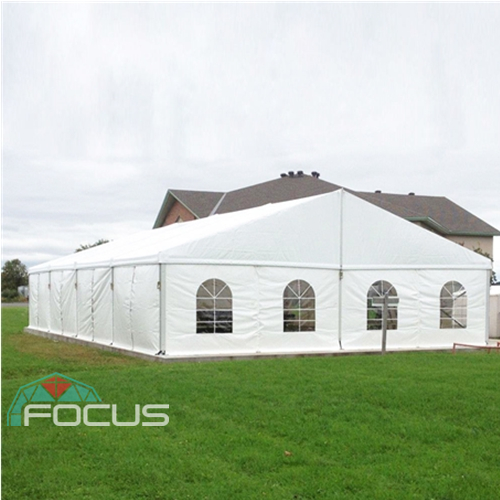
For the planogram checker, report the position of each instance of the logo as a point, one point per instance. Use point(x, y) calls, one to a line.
point(57, 393)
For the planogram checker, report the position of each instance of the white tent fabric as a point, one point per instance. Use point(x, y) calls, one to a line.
point(139, 292)
point(373, 238)
point(264, 234)
point(33, 299)
point(494, 312)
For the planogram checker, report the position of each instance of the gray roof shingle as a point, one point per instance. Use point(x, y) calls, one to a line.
point(275, 191)
point(453, 219)
point(437, 212)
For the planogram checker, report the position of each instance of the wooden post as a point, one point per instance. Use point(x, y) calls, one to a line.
point(384, 302)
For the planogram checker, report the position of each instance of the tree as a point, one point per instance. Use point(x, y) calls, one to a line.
point(14, 274)
point(493, 277)
point(87, 246)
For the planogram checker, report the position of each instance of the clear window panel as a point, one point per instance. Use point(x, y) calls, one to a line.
point(291, 304)
point(294, 288)
point(204, 327)
point(208, 315)
point(374, 313)
point(221, 289)
point(223, 327)
point(291, 315)
point(205, 304)
point(291, 326)
point(224, 316)
point(307, 326)
point(453, 306)
point(203, 292)
point(223, 304)
point(298, 307)
point(214, 307)
point(307, 304)
point(375, 324)
point(308, 315)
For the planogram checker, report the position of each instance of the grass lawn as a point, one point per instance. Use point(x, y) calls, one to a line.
point(416, 425)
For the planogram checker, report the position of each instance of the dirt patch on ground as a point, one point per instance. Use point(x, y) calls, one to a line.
point(63, 351)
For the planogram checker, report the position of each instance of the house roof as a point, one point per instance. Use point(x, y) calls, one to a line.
point(199, 203)
point(275, 191)
point(436, 212)
point(439, 213)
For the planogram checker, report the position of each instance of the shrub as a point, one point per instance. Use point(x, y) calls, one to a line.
point(9, 294)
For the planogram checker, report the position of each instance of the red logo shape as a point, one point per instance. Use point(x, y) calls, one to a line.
point(57, 386)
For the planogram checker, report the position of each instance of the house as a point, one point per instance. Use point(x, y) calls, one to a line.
point(434, 213)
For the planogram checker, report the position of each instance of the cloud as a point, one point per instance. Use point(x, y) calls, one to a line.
point(106, 106)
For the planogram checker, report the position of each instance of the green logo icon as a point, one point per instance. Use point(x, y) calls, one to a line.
point(55, 388)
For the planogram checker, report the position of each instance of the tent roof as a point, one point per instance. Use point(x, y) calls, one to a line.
point(303, 233)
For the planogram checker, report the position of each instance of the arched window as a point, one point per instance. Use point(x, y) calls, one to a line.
point(374, 310)
point(299, 307)
point(453, 306)
point(214, 307)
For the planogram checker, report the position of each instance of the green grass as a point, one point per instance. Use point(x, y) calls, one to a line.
point(405, 426)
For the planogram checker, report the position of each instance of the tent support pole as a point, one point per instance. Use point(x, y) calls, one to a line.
point(259, 321)
point(49, 317)
point(163, 308)
point(76, 305)
point(488, 300)
point(341, 272)
point(112, 306)
point(37, 299)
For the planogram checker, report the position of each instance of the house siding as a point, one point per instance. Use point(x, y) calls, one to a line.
point(178, 210)
point(485, 243)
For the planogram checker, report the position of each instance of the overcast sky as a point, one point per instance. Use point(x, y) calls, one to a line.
point(106, 106)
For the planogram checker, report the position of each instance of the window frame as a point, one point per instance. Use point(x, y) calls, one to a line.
point(374, 314)
point(299, 307)
point(214, 308)
point(451, 292)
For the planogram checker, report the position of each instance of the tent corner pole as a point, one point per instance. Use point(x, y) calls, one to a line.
point(488, 301)
point(112, 305)
point(341, 271)
point(163, 308)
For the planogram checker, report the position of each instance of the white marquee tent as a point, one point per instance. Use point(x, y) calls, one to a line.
point(297, 276)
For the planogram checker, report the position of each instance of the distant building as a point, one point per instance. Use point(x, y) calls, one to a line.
point(435, 213)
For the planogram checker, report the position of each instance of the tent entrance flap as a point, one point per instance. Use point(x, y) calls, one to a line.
point(136, 303)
